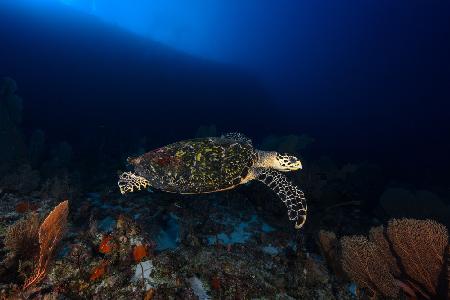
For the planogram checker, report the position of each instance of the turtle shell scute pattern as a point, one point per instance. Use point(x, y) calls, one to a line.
point(197, 166)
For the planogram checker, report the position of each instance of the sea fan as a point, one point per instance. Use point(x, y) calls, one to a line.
point(50, 233)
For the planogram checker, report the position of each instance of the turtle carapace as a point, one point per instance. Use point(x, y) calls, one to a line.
point(213, 164)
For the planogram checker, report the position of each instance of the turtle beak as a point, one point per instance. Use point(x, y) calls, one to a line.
point(298, 165)
point(295, 164)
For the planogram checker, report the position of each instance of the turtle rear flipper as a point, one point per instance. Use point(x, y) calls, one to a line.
point(292, 196)
point(129, 182)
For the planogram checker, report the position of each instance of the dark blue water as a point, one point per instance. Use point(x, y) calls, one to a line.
point(369, 81)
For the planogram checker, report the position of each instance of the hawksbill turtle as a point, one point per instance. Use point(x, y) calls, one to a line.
point(206, 165)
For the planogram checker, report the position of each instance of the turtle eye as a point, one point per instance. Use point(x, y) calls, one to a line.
point(292, 160)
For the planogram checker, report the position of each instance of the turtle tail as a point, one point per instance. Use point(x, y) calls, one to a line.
point(133, 160)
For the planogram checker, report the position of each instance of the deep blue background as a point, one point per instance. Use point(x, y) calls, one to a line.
point(370, 80)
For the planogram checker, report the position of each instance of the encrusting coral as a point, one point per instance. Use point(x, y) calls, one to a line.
point(104, 266)
point(410, 255)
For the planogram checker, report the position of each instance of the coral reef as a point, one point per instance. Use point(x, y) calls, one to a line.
point(21, 237)
point(12, 102)
point(205, 249)
point(100, 264)
point(63, 186)
point(61, 156)
point(36, 148)
point(421, 246)
point(21, 242)
point(12, 144)
point(448, 273)
point(22, 165)
point(50, 233)
point(23, 180)
point(364, 264)
point(233, 245)
point(400, 202)
point(377, 236)
point(31, 247)
point(409, 255)
point(329, 248)
point(350, 183)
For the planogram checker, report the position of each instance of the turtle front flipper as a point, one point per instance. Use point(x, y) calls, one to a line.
point(292, 196)
point(129, 182)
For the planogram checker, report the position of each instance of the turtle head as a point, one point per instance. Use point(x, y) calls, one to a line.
point(286, 162)
point(280, 162)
